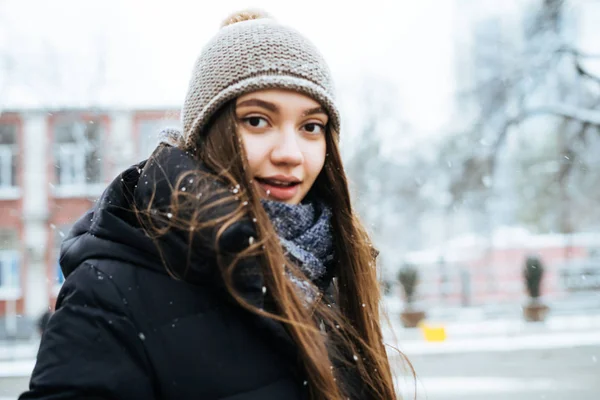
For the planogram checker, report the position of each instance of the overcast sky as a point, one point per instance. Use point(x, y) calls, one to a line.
point(148, 47)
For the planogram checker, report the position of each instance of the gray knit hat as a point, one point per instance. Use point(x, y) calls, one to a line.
point(252, 55)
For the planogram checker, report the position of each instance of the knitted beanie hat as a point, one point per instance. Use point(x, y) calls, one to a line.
point(253, 52)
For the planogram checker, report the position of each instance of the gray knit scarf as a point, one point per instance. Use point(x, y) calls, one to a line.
point(305, 233)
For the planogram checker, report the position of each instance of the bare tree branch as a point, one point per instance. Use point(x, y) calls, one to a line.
point(577, 53)
point(583, 72)
point(583, 115)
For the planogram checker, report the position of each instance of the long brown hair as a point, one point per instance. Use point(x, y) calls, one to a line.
point(346, 333)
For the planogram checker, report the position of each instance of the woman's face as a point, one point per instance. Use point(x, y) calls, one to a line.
point(283, 133)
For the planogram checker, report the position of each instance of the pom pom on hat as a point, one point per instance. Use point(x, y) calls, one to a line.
point(245, 15)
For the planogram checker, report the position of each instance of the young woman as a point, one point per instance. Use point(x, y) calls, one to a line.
point(230, 265)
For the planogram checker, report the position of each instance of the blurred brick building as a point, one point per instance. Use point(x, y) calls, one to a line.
point(485, 270)
point(53, 165)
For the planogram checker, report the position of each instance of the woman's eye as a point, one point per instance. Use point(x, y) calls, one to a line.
point(256, 122)
point(314, 128)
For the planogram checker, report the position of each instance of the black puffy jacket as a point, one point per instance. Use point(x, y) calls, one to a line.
point(125, 329)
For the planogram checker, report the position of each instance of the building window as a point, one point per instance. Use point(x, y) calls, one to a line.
point(77, 155)
point(8, 156)
point(10, 263)
point(149, 132)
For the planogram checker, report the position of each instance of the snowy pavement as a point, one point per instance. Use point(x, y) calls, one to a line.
point(501, 343)
point(549, 374)
point(16, 368)
point(504, 388)
point(18, 350)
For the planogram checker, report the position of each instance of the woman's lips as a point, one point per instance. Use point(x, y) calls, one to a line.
point(277, 192)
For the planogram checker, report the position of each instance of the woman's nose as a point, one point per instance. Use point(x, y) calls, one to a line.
point(287, 149)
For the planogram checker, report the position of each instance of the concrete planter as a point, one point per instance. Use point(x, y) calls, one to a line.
point(411, 318)
point(535, 312)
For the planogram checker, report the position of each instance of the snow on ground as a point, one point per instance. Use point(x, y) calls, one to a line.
point(430, 387)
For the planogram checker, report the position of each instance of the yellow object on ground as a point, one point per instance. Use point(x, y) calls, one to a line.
point(433, 333)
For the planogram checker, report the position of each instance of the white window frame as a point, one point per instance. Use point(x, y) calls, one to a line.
point(8, 189)
point(6, 167)
point(72, 179)
point(72, 165)
point(10, 284)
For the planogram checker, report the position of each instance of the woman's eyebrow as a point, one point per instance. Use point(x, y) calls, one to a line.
point(312, 111)
point(260, 103)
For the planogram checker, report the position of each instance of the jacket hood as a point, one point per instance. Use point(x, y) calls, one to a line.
point(113, 228)
point(110, 230)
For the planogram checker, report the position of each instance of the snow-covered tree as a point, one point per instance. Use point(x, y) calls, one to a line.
point(533, 85)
